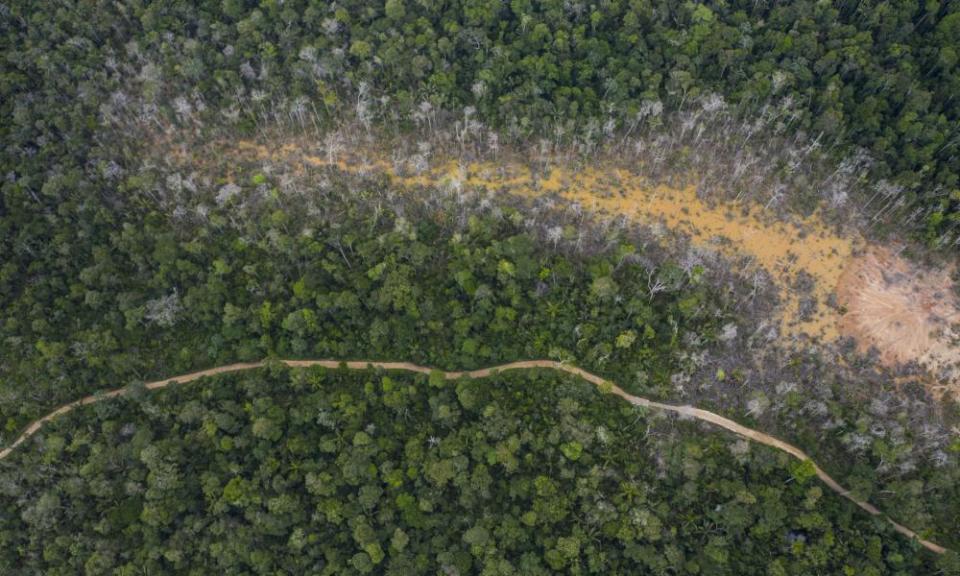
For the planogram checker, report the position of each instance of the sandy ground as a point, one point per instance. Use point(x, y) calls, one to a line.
point(906, 312)
point(782, 249)
point(603, 384)
point(891, 304)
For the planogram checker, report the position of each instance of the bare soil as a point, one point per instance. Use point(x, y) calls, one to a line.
point(891, 304)
point(782, 249)
point(903, 310)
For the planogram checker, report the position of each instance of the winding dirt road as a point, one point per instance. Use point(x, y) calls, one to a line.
point(603, 384)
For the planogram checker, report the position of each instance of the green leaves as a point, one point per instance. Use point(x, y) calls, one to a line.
point(604, 288)
point(626, 339)
point(395, 10)
point(572, 450)
point(361, 49)
point(476, 536)
point(352, 484)
point(803, 471)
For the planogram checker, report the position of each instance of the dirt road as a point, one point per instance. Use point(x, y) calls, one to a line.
point(604, 385)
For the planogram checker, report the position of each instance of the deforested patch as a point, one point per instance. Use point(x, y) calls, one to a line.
point(905, 311)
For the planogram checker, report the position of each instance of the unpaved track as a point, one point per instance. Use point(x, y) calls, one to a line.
point(603, 384)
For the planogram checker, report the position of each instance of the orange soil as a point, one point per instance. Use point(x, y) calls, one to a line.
point(906, 312)
point(782, 249)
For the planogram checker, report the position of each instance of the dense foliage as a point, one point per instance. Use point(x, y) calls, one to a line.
point(127, 254)
point(455, 286)
point(879, 77)
point(338, 472)
point(210, 275)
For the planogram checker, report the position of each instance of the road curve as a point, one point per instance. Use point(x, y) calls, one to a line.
point(603, 384)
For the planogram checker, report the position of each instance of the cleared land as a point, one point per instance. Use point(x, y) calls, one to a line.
point(905, 311)
point(783, 250)
point(831, 284)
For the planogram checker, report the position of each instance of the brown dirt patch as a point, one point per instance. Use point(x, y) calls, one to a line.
point(905, 311)
point(782, 249)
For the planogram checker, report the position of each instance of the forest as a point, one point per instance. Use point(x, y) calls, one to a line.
point(332, 472)
point(871, 84)
point(139, 240)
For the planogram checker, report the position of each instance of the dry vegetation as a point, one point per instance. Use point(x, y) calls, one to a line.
point(798, 220)
point(831, 281)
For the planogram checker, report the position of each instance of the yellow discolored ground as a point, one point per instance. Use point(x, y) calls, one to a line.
point(906, 318)
point(903, 310)
point(782, 249)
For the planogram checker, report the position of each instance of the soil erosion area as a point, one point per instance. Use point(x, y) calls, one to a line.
point(906, 312)
point(832, 284)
